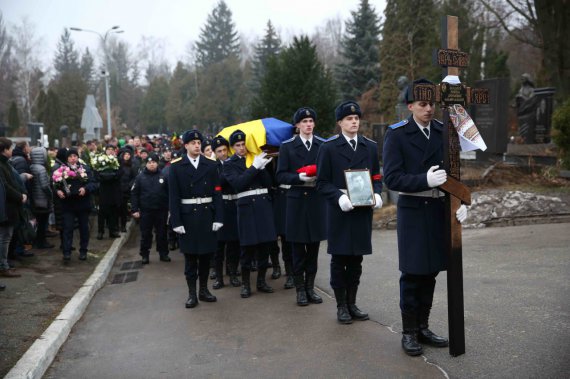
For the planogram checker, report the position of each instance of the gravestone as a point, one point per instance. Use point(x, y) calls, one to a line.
point(543, 115)
point(402, 111)
point(91, 121)
point(491, 119)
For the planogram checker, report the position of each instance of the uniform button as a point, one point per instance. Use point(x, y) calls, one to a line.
point(252, 199)
point(194, 209)
point(206, 207)
point(426, 202)
point(305, 193)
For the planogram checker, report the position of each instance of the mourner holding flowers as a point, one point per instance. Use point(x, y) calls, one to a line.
point(74, 185)
point(106, 168)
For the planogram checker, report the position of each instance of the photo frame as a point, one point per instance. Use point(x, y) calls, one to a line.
point(359, 188)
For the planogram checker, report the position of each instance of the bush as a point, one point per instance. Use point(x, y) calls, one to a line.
point(561, 132)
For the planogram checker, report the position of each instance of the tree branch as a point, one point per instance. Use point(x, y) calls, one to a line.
point(502, 21)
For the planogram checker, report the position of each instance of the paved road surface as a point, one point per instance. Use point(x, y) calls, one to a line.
point(516, 317)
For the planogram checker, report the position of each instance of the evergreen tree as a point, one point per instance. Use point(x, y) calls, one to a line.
point(360, 69)
point(270, 46)
point(13, 117)
point(293, 79)
point(71, 91)
point(49, 113)
point(66, 57)
point(153, 106)
point(87, 70)
point(409, 35)
point(182, 90)
point(218, 39)
point(7, 69)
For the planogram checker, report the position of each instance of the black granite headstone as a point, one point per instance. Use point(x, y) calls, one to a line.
point(543, 117)
point(491, 119)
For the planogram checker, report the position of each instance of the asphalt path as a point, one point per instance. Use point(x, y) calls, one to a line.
point(516, 320)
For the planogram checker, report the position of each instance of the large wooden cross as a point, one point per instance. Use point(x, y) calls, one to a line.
point(451, 59)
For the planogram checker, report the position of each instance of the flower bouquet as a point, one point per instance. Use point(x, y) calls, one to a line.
point(102, 162)
point(65, 173)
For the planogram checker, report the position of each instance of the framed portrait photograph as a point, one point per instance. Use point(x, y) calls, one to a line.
point(359, 188)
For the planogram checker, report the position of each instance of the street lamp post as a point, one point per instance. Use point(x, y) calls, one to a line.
point(105, 73)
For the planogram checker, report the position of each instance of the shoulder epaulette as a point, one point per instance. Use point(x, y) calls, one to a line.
point(332, 138)
point(319, 138)
point(398, 124)
point(368, 139)
point(289, 140)
point(440, 123)
point(176, 160)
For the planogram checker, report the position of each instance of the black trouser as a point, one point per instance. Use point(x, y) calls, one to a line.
point(248, 253)
point(286, 252)
point(107, 214)
point(416, 292)
point(231, 251)
point(153, 219)
point(345, 271)
point(197, 266)
point(305, 258)
point(42, 223)
point(124, 210)
point(68, 223)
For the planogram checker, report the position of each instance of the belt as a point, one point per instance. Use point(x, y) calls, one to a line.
point(343, 191)
point(198, 200)
point(435, 193)
point(259, 191)
point(285, 186)
point(230, 197)
point(306, 184)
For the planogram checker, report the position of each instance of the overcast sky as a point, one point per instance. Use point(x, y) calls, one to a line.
point(175, 22)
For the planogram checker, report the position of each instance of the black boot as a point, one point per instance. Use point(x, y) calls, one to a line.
point(145, 260)
point(234, 281)
point(205, 295)
point(310, 288)
point(301, 293)
point(356, 313)
point(289, 282)
point(427, 336)
point(192, 298)
point(410, 342)
point(219, 282)
point(245, 285)
point(261, 283)
point(342, 314)
point(276, 274)
point(253, 266)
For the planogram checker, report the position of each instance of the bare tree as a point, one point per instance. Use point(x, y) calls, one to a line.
point(327, 39)
point(6, 69)
point(151, 54)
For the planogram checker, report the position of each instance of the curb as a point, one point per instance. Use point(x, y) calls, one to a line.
point(37, 359)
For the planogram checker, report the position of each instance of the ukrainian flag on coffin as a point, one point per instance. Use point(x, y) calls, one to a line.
point(259, 133)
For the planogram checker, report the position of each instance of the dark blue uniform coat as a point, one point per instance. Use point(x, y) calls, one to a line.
point(187, 182)
point(228, 232)
point(407, 157)
point(149, 191)
point(306, 208)
point(255, 213)
point(349, 233)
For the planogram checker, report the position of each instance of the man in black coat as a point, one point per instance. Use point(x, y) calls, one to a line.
point(412, 155)
point(349, 228)
point(305, 211)
point(149, 201)
point(196, 213)
point(228, 237)
point(255, 212)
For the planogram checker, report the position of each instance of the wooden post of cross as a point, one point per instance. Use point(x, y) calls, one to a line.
point(447, 94)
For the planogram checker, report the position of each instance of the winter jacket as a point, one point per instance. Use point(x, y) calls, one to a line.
point(41, 194)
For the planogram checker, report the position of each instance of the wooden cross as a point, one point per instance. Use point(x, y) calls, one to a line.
point(447, 94)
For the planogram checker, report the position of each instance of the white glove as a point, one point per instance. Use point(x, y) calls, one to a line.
point(259, 160)
point(461, 214)
point(267, 160)
point(179, 229)
point(436, 178)
point(216, 226)
point(345, 204)
point(379, 202)
point(305, 178)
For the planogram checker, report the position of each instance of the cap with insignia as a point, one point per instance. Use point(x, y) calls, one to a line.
point(410, 89)
point(302, 113)
point(219, 141)
point(191, 135)
point(347, 108)
point(205, 144)
point(153, 158)
point(237, 136)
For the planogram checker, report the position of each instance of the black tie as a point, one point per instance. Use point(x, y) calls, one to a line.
point(426, 131)
point(308, 143)
point(353, 143)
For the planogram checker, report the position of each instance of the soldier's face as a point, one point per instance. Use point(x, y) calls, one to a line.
point(422, 110)
point(151, 166)
point(306, 126)
point(221, 153)
point(194, 148)
point(350, 124)
point(240, 149)
point(208, 151)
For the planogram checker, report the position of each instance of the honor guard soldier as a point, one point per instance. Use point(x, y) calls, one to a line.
point(349, 228)
point(196, 213)
point(255, 213)
point(306, 208)
point(228, 238)
point(149, 202)
point(412, 155)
